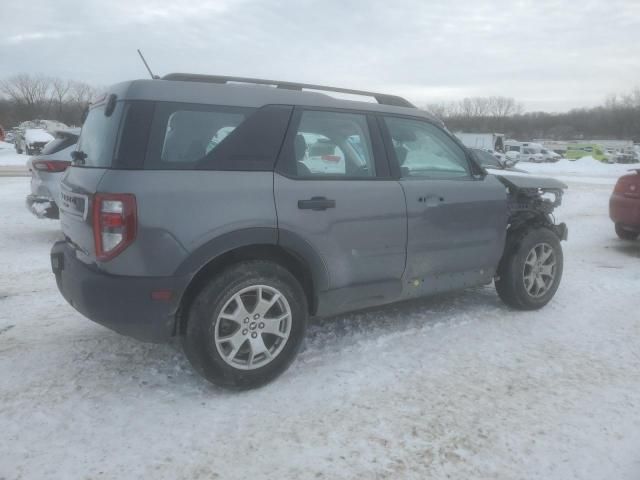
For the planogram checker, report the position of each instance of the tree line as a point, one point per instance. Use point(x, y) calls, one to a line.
point(618, 118)
point(29, 97)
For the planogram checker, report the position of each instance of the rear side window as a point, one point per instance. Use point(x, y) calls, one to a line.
point(203, 137)
point(331, 145)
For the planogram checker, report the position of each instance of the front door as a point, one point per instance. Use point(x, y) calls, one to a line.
point(457, 219)
point(335, 198)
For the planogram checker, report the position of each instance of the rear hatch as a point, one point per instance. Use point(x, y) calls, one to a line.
point(94, 155)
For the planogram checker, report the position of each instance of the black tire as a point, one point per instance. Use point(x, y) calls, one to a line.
point(626, 234)
point(198, 339)
point(510, 282)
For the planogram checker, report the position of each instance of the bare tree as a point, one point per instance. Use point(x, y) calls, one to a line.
point(59, 91)
point(82, 93)
point(503, 107)
point(25, 89)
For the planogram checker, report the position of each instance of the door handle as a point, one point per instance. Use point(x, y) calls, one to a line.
point(431, 200)
point(316, 203)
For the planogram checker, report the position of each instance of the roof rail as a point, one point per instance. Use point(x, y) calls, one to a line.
point(381, 98)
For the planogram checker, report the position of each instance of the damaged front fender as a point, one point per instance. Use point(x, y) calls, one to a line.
point(532, 200)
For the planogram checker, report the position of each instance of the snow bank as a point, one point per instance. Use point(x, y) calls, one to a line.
point(9, 156)
point(584, 167)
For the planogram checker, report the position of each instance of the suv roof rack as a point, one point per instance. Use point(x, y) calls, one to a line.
point(381, 98)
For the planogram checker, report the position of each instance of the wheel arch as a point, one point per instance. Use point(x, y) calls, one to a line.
point(294, 254)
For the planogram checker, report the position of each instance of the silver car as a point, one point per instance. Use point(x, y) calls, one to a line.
point(47, 170)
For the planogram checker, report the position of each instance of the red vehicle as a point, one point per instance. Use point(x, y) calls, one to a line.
point(624, 206)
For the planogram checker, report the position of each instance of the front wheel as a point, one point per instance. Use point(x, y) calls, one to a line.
point(246, 325)
point(530, 270)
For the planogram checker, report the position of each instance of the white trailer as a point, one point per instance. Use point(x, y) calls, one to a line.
point(485, 141)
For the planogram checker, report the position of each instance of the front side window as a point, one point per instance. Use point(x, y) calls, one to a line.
point(333, 144)
point(424, 150)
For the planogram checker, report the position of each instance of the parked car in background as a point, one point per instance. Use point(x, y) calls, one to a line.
point(46, 171)
point(625, 155)
point(624, 206)
point(527, 151)
point(577, 151)
point(9, 137)
point(550, 155)
point(3, 134)
point(43, 133)
point(491, 161)
point(32, 140)
point(232, 248)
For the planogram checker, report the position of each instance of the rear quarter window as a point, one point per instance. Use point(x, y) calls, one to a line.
point(206, 137)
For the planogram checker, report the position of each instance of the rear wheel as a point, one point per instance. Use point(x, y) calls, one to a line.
point(626, 234)
point(246, 325)
point(530, 270)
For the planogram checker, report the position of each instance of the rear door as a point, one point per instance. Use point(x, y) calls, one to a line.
point(456, 218)
point(335, 199)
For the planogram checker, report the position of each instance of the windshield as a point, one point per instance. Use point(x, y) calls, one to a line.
point(97, 137)
point(59, 143)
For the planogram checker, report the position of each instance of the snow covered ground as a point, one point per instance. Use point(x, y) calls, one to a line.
point(9, 156)
point(453, 387)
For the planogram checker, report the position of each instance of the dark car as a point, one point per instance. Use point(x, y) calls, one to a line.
point(624, 206)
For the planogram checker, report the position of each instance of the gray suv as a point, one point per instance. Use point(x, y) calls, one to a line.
point(227, 211)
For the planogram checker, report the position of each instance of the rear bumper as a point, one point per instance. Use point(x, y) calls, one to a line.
point(123, 304)
point(625, 210)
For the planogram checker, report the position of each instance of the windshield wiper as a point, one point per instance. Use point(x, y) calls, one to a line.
point(78, 157)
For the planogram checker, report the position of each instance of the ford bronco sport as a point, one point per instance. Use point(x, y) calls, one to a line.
point(226, 211)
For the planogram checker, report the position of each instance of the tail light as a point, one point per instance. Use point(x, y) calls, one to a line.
point(331, 158)
point(114, 223)
point(52, 166)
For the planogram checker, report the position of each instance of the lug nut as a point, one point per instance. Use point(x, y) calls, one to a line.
point(246, 320)
point(254, 335)
point(245, 331)
point(256, 316)
point(261, 325)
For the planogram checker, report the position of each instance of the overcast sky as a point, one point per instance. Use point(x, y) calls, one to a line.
point(550, 55)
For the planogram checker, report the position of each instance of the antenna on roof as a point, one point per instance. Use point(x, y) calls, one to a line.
point(154, 77)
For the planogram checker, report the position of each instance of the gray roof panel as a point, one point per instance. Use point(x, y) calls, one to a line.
point(245, 95)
